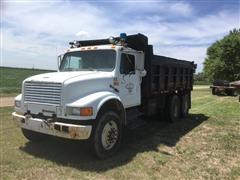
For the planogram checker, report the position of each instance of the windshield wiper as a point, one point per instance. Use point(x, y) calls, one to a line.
point(91, 69)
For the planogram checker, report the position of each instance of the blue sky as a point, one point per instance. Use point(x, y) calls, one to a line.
point(33, 33)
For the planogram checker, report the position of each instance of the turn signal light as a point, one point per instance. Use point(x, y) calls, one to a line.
point(86, 111)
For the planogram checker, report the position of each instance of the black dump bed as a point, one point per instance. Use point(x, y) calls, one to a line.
point(164, 74)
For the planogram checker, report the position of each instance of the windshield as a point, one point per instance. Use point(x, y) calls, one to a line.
point(99, 60)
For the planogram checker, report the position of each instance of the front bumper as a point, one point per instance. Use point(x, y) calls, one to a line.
point(65, 130)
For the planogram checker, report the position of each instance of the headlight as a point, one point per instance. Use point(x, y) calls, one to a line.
point(76, 111)
point(17, 103)
point(73, 111)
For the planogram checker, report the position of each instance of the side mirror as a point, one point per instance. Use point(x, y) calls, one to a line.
point(59, 59)
point(143, 73)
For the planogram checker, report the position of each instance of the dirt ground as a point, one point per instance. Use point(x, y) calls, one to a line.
point(6, 101)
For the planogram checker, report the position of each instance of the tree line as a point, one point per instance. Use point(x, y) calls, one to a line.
point(223, 59)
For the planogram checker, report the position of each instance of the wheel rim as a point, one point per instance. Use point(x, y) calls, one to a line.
point(109, 135)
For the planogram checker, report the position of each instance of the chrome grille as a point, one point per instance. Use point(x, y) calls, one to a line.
point(43, 92)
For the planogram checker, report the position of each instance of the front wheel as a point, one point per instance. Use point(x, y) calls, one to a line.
point(107, 135)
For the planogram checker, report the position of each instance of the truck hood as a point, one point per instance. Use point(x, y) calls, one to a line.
point(61, 77)
point(78, 84)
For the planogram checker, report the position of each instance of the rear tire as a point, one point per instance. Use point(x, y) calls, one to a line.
point(173, 109)
point(107, 135)
point(234, 93)
point(184, 105)
point(33, 136)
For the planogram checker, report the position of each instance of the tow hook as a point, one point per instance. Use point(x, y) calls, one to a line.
point(49, 121)
point(46, 122)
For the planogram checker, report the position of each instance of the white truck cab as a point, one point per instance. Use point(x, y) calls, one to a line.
point(92, 81)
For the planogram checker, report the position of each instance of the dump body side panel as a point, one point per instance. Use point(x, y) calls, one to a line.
point(165, 74)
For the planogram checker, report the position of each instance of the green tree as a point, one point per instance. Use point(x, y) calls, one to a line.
point(223, 58)
point(200, 79)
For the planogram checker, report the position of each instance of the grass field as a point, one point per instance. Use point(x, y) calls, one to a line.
point(206, 145)
point(11, 79)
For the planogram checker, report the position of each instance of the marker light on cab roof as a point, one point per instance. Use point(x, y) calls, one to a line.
point(123, 36)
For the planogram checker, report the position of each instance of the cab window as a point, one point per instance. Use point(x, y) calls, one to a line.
point(127, 65)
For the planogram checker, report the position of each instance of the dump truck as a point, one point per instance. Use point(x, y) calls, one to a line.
point(100, 86)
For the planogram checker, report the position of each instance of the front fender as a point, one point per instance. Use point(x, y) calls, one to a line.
point(95, 100)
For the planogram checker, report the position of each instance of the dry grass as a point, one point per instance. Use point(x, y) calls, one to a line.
point(206, 145)
point(6, 101)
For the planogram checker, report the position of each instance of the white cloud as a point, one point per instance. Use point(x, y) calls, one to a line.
point(158, 6)
point(36, 31)
point(82, 33)
point(181, 8)
point(29, 51)
point(53, 18)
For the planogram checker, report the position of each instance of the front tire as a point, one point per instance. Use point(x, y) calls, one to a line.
point(107, 135)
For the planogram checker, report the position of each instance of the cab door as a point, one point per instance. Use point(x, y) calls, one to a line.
point(129, 78)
